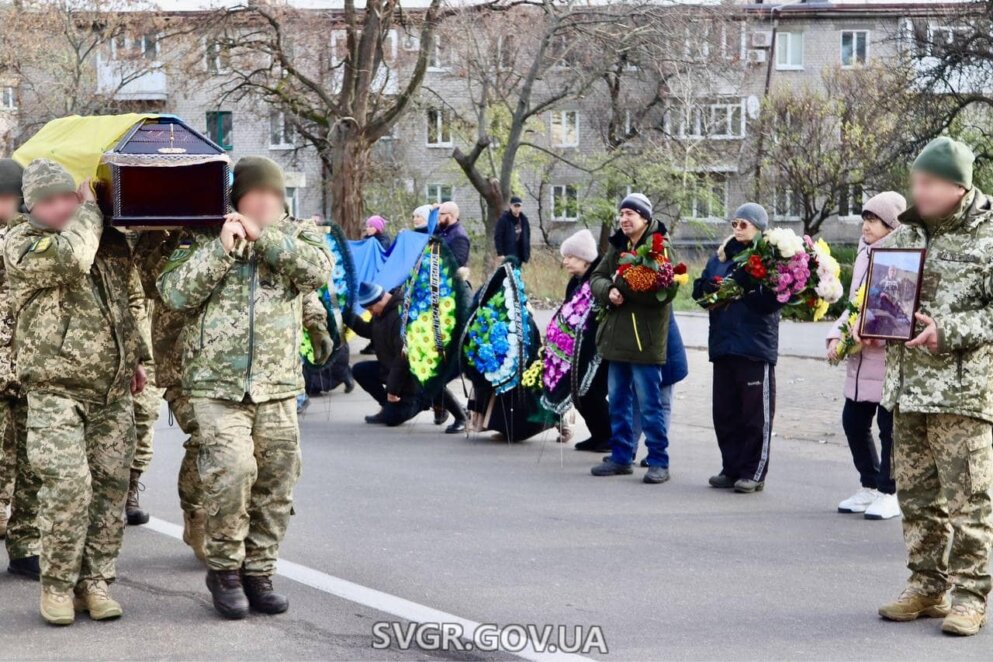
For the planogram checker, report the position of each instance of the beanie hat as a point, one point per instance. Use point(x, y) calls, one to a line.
point(887, 206)
point(947, 159)
point(377, 222)
point(43, 179)
point(253, 172)
point(581, 245)
point(11, 173)
point(369, 293)
point(754, 213)
point(638, 203)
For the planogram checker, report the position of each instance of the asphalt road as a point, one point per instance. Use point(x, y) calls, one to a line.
point(407, 521)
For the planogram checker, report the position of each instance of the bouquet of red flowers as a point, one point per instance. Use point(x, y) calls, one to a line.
point(648, 269)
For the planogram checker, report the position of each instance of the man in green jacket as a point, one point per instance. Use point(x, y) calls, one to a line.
point(940, 388)
point(632, 336)
point(79, 359)
point(243, 290)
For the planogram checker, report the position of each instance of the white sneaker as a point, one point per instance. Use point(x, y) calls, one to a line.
point(885, 506)
point(858, 502)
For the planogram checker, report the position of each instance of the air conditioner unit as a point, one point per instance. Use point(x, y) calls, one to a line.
point(756, 56)
point(761, 39)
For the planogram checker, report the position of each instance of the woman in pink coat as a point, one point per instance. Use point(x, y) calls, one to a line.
point(864, 385)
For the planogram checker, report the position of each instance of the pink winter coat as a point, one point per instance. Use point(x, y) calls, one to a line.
point(867, 369)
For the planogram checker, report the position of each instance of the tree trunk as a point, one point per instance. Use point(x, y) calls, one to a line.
point(349, 160)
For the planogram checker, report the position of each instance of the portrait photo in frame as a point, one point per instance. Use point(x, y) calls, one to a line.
point(892, 293)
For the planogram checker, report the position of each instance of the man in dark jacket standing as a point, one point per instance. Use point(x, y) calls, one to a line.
point(453, 233)
point(632, 336)
point(513, 233)
point(743, 346)
point(387, 379)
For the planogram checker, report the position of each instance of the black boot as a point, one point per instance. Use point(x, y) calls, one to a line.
point(229, 597)
point(594, 445)
point(263, 599)
point(131, 507)
point(29, 567)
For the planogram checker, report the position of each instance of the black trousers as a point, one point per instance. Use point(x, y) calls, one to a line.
point(856, 418)
point(594, 408)
point(367, 375)
point(446, 400)
point(744, 408)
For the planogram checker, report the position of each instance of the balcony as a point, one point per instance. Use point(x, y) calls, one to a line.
point(132, 80)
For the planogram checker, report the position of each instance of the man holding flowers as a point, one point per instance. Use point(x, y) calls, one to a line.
point(632, 335)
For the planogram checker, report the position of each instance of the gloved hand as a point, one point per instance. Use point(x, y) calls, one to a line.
point(743, 279)
point(323, 348)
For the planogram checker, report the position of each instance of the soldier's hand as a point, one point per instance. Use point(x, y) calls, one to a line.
point(252, 229)
point(928, 338)
point(230, 231)
point(85, 191)
point(139, 380)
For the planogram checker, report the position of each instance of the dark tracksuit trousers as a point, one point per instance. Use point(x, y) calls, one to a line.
point(744, 407)
point(594, 408)
point(856, 418)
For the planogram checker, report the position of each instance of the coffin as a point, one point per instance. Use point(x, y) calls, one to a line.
point(164, 174)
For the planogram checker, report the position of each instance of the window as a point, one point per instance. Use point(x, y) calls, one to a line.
point(854, 47)
point(565, 202)
point(218, 58)
point(717, 119)
point(787, 205)
point(220, 129)
point(147, 45)
point(439, 128)
point(437, 58)
point(8, 98)
point(850, 201)
point(565, 128)
point(439, 193)
point(707, 199)
point(144, 46)
point(280, 131)
point(293, 201)
point(947, 40)
point(789, 50)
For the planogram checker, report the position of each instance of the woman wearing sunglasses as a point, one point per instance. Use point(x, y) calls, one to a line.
point(743, 346)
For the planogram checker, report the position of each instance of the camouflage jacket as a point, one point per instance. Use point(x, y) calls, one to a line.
point(957, 293)
point(8, 367)
point(76, 298)
point(151, 253)
point(242, 336)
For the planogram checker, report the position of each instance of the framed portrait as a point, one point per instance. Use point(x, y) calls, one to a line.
point(892, 294)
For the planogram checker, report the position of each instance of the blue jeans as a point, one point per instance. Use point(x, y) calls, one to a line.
point(628, 382)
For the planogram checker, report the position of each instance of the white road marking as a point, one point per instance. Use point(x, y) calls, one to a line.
point(374, 599)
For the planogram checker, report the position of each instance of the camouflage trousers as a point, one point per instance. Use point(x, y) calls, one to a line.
point(943, 465)
point(8, 463)
point(22, 529)
point(249, 463)
point(146, 412)
point(82, 453)
point(190, 498)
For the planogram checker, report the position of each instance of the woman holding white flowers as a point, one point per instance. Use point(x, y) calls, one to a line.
point(876, 497)
point(743, 346)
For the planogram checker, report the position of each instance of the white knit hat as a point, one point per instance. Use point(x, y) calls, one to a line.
point(581, 245)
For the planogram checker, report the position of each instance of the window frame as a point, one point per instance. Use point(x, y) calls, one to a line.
point(287, 133)
point(8, 97)
point(855, 34)
point(790, 36)
point(697, 120)
point(563, 114)
point(439, 194)
point(854, 202)
point(218, 116)
point(442, 126)
point(565, 190)
point(292, 197)
point(795, 204)
point(214, 59)
point(709, 181)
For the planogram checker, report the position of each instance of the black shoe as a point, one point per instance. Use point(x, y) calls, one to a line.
point(368, 349)
point(644, 463)
point(456, 427)
point(29, 566)
point(229, 596)
point(440, 416)
point(721, 482)
point(349, 384)
point(376, 419)
point(610, 468)
point(594, 445)
point(656, 475)
point(258, 590)
point(132, 508)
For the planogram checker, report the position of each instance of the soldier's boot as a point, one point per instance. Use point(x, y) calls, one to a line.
point(56, 606)
point(93, 596)
point(227, 592)
point(132, 508)
point(4, 518)
point(913, 604)
point(964, 620)
point(258, 589)
point(195, 532)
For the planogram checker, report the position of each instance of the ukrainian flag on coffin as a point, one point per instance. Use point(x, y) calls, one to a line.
point(434, 307)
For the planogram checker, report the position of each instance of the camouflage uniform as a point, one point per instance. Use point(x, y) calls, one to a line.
point(77, 347)
point(241, 366)
point(20, 481)
point(943, 406)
